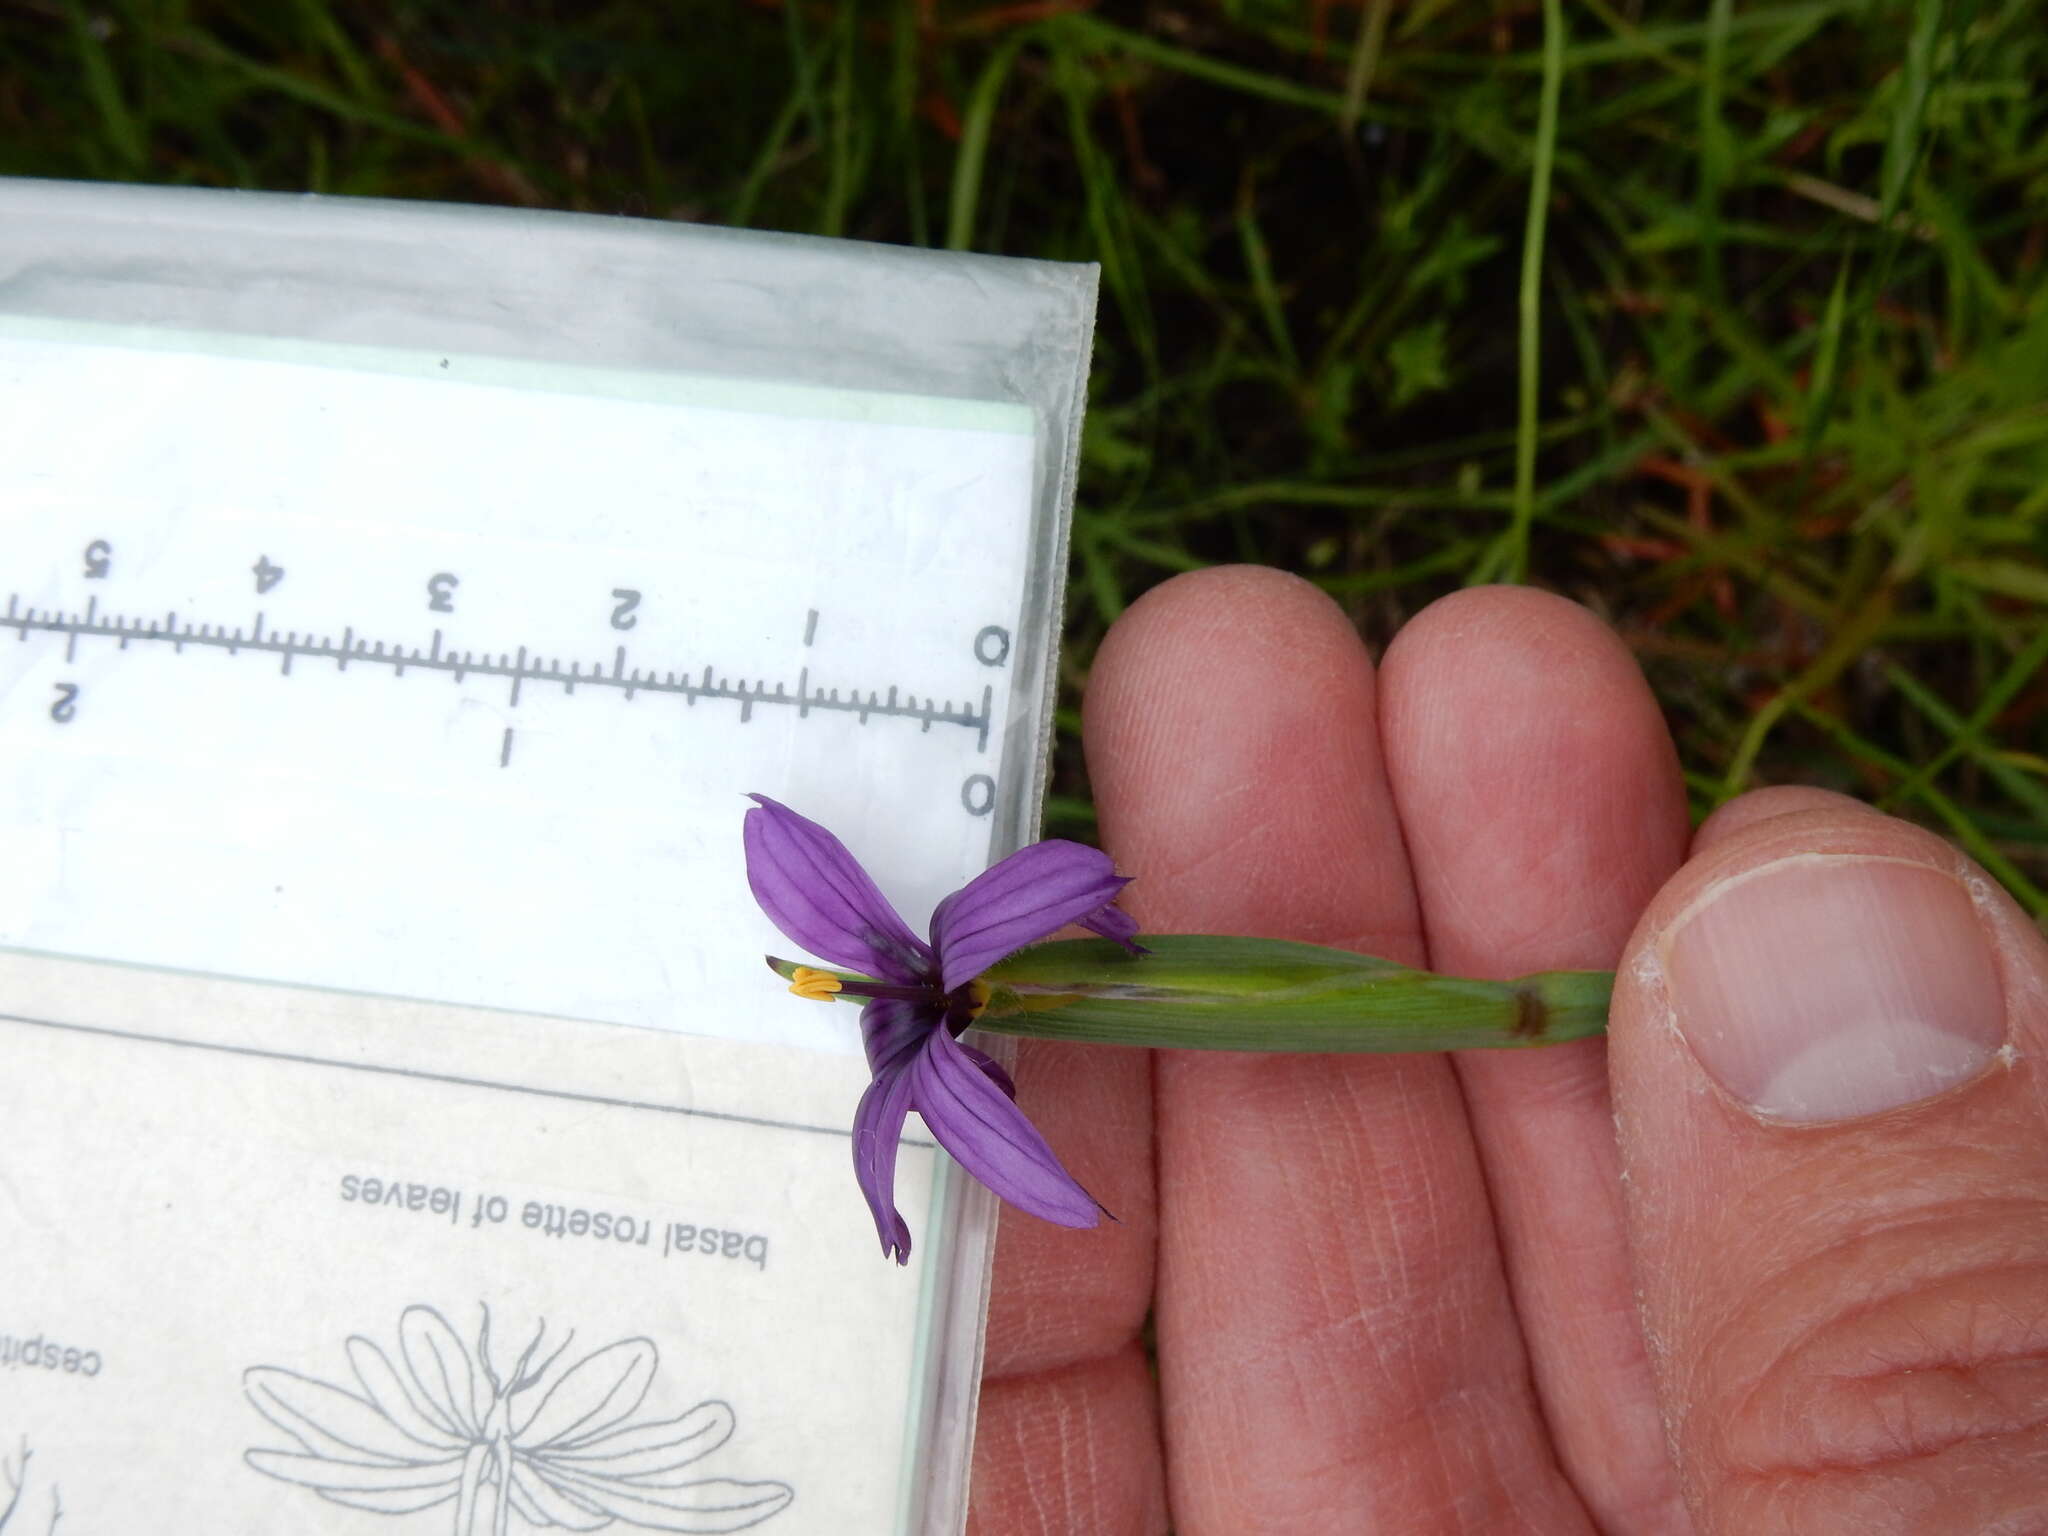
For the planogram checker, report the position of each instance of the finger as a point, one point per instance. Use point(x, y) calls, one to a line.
point(1070, 1452)
point(1060, 1297)
point(1826, 1042)
point(1763, 804)
point(1336, 1347)
point(1541, 804)
point(1067, 1439)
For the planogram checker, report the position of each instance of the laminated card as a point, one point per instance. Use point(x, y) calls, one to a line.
point(399, 1131)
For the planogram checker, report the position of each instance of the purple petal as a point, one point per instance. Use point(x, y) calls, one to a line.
point(1032, 894)
point(989, 1065)
point(817, 894)
point(893, 1030)
point(1115, 923)
point(877, 1127)
point(990, 1138)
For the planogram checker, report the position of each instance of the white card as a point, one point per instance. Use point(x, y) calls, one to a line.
point(445, 678)
point(400, 1131)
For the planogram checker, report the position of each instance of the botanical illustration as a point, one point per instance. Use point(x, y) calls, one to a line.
point(14, 1486)
point(554, 1440)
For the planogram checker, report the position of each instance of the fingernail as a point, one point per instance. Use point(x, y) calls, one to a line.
point(1824, 987)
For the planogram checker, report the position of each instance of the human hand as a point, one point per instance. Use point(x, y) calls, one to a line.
point(1435, 1294)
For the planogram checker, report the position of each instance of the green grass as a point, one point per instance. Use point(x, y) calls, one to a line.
point(1729, 321)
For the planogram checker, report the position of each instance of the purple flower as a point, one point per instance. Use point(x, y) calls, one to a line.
point(925, 994)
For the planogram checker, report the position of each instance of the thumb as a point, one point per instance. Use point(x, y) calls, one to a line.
point(1826, 1047)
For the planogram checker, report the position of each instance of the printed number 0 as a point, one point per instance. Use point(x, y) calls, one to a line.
point(992, 646)
point(978, 794)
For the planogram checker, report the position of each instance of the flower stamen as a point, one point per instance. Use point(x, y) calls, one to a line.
point(814, 985)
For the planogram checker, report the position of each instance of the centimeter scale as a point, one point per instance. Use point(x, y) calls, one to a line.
point(991, 646)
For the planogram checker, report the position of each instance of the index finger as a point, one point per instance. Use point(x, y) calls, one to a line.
point(1337, 1347)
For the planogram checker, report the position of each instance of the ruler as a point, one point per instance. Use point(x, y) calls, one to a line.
point(518, 667)
point(444, 678)
point(398, 1129)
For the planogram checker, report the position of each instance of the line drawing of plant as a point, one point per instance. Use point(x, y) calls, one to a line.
point(15, 1474)
point(436, 1421)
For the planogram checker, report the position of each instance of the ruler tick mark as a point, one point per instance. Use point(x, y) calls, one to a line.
point(287, 646)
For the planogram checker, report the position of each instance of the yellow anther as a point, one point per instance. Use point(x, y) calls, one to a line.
point(978, 994)
point(817, 986)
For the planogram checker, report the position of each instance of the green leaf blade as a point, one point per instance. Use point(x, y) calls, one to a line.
point(1205, 992)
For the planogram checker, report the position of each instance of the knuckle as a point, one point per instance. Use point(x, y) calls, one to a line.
point(1897, 1380)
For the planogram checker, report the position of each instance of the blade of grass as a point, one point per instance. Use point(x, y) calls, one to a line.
point(1959, 822)
point(1232, 77)
point(1514, 565)
point(1122, 266)
point(123, 133)
point(976, 125)
point(1827, 365)
point(319, 21)
point(1265, 292)
point(1365, 61)
point(842, 147)
point(1716, 156)
point(799, 102)
point(296, 87)
point(1843, 649)
point(1904, 144)
point(1966, 736)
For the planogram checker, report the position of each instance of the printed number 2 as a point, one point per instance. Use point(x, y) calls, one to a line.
point(66, 705)
point(441, 591)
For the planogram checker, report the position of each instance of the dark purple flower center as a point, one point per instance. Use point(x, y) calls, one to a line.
point(958, 1008)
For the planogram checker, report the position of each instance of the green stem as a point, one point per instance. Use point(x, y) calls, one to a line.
point(1530, 299)
point(1219, 993)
